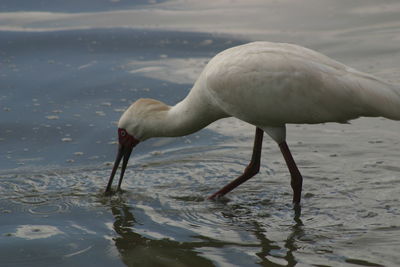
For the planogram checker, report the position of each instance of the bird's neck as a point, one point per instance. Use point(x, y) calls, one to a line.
point(183, 119)
point(188, 116)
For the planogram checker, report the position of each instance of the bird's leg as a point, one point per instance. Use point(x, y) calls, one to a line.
point(251, 170)
point(296, 178)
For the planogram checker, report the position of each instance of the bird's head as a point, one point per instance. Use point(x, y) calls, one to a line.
point(135, 125)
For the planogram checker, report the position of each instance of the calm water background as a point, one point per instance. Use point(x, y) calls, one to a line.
point(69, 68)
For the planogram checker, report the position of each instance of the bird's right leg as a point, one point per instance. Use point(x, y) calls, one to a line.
point(296, 178)
point(251, 170)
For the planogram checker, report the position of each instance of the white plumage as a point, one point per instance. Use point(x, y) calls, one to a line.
point(267, 85)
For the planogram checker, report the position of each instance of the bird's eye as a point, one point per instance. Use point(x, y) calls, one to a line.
point(123, 133)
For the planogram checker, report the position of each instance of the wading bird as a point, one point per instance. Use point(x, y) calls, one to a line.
point(267, 85)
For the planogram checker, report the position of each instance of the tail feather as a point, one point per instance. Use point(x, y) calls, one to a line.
point(380, 97)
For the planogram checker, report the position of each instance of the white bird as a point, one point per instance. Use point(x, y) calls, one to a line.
point(268, 85)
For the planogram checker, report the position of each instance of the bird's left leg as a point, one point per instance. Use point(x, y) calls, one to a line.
point(251, 170)
point(296, 178)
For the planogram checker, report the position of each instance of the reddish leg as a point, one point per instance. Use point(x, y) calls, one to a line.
point(251, 170)
point(296, 178)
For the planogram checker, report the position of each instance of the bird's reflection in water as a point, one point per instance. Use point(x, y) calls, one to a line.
point(267, 246)
point(297, 232)
point(138, 250)
point(271, 250)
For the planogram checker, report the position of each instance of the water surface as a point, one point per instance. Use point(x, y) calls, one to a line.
point(67, 72)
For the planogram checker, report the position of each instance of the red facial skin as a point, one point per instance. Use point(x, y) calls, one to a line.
point(125, 139)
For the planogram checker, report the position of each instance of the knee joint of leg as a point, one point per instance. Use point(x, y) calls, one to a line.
point(253, 169)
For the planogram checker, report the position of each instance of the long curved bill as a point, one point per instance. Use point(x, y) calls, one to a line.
point(124, 152)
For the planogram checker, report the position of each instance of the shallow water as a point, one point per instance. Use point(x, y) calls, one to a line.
point(67, 71)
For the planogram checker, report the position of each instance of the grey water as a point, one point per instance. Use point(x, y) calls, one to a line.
point(68, 69)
